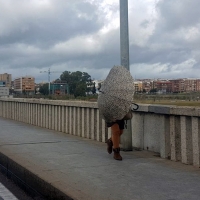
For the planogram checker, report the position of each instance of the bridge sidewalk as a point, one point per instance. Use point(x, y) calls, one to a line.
point(60, 164)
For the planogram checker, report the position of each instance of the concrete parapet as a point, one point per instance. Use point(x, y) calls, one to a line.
point(172, 131)
point(159, 109)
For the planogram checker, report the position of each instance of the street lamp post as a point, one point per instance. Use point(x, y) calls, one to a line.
point(124, 33)
point(126, 139)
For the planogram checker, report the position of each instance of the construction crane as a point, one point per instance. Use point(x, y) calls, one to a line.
point(49, 76)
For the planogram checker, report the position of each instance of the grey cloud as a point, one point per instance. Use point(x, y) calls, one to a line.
point(144, 24)
point(197, 66)
point(171, 41)
point(57, 24)
point(109, 56)
point(177, 13)
point(161, 55)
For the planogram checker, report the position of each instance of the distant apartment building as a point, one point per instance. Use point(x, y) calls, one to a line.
point(171, 86)
point(24, 85)
point(162, 86)
point(2, 84)
point(7, 78)
point(190, 85)
point(178, 85)
point(167, 86)
point(4, 91)
point(198, 84)
point(146, 86)
point(138, 86)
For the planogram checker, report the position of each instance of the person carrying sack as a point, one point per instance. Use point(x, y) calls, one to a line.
point(114, 101)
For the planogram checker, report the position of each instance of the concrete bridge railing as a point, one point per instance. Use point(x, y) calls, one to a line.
point(172, 131)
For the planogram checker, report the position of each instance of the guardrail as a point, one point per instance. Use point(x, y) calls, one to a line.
point(172, 131)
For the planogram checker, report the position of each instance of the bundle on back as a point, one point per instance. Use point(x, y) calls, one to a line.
point(116, 94)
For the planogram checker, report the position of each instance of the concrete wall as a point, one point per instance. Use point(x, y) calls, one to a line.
point(172, 131)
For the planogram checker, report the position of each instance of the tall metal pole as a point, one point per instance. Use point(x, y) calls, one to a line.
point(126, 138)
point(49, 74)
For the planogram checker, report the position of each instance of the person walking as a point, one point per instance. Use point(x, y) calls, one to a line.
point(113, 142)
point(115, 99)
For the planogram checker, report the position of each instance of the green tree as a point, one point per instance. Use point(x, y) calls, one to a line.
point(44, 89)
point(80, 90)
point(77, 82)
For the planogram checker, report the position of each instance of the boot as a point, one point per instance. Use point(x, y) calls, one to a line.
point(109, 145)
point(117, 155)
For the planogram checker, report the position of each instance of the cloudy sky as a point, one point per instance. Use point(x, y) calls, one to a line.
point(83, 35)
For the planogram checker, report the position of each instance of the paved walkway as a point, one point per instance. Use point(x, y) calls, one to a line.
point(83, 170)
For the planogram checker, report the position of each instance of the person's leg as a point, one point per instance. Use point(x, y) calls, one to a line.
point(109, 145)
point(115, 131)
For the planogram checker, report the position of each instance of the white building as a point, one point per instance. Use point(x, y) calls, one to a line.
point(4, 91)
point(97, 84)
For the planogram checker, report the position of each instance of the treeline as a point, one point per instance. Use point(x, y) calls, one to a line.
point(78, 84)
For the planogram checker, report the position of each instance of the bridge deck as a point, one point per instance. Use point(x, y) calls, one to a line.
point(82, 169)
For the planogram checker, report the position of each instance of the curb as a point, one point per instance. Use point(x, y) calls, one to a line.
point(29, 182)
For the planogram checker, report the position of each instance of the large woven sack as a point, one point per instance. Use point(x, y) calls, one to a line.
point(116, 94)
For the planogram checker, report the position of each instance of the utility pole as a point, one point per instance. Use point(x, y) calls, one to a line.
point(126, 138)
point(49, 74)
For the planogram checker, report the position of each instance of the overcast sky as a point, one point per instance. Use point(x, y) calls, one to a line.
point(83, 35)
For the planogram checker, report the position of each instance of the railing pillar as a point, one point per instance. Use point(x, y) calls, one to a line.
point(186, 140)
point(196, 141)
